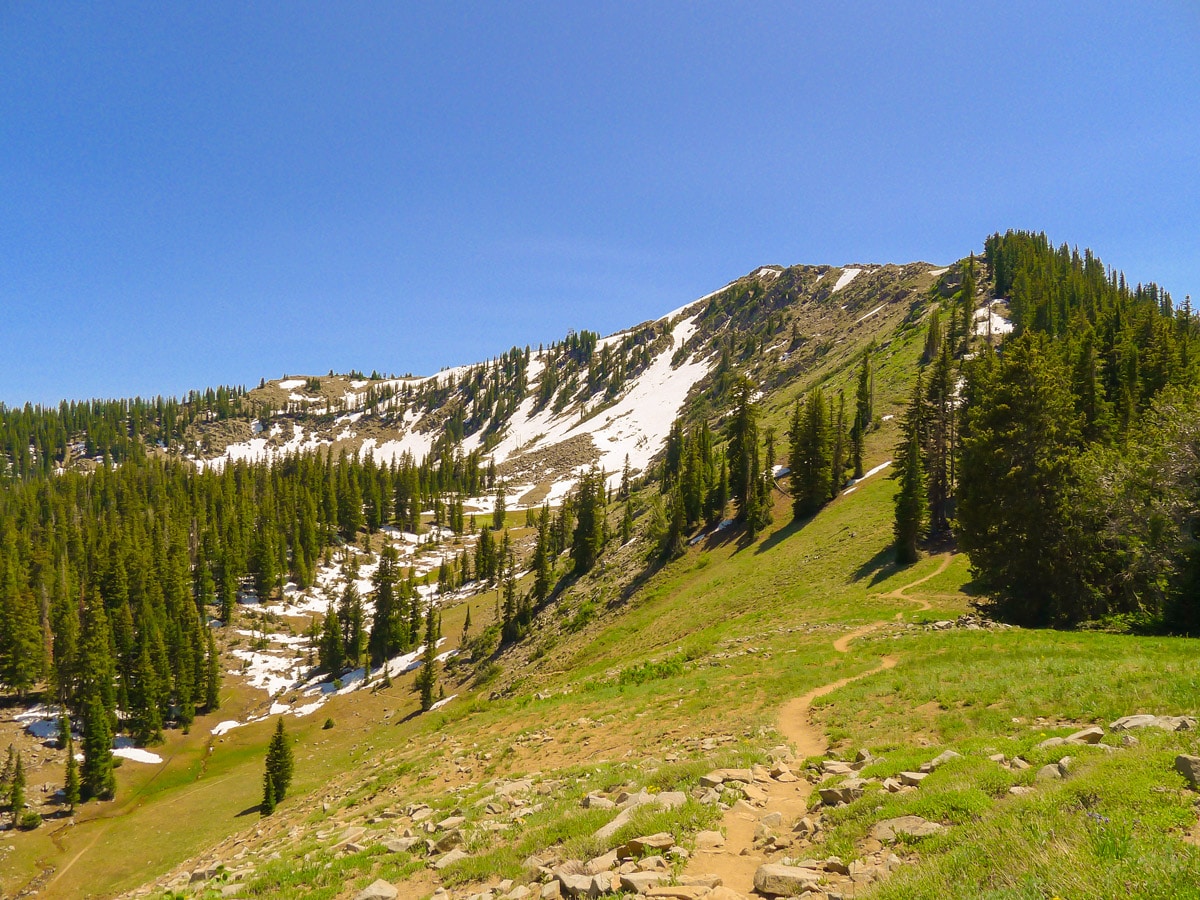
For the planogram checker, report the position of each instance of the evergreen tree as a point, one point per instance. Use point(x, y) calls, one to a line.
point(811, 455)
point(862, 415)
point(427, 679)
point(498, 512)
point(588, 538)
point(1018, 439)
point(543, 563)
point(332, 647)
point(910, 499)
point(71, 779)
point(742, 452)
point(98, 780)
point(938, 443)
point(16, 795)
point(627, 523)
point(279, 767)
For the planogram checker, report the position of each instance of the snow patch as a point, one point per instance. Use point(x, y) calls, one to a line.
point(291, 384)
point(847, 276)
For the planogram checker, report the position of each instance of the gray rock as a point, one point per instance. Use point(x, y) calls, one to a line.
point(640, 882)
point(1090, 735)
point(594, 802)
point(551, 890)
point(575, 885)
point(379, 890)
point(400, 845)
point(940, 760)
point(1189, 768)
point(449, 859)
point(846, 792)
point(913, 826)
point(1050, 772)
point(648, 844)
point(1166, 723)
point(778, 880)
point(913, 779)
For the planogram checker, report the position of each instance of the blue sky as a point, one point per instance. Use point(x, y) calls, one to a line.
point(198, 194)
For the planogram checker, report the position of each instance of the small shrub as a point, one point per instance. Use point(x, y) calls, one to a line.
point(328, 724)
point(29, 820)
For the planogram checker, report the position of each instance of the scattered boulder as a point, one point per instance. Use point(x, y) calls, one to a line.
point(1090, 735)
point(940, 760)
point(378, 890)
point(913, 779)
point(449, 859)
point(640, 882)
point(648, 844)
point(1166, 723)
point(1189, 768)
point(912, 826)
point(1049, 772)
point(777, 880)
point(846, 792)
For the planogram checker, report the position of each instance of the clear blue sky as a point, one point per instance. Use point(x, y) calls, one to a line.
point(205, 193)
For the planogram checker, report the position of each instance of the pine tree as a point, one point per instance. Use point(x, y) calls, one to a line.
point(862, 415)
point(98, 780)
point(279, 766)
point(71, 780)
point(811, 455)
point(910, 499)
point(332, 648)
point(543, 564)
point(212, 674)
point(427, 680)
point(627, 523)
point(16, 796)
point(498, 512)
point(742, 452)
point(938, 444)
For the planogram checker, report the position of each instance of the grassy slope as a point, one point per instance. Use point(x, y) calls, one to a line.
point(753, 624)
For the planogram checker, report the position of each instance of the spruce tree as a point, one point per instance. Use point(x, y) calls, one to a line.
point(16, 795)
point(862, 414)
point(498, 511)
point(97, 778)
point(330, 657)
point(910, 498)
point(742, 452)
point(71, 779)
point(427, 680)
point(811, 455)
point(543, 564)
point(279, 765)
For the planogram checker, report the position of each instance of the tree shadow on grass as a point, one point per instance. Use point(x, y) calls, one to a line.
point(251, 810)
point(879, 567)
point(782, 535)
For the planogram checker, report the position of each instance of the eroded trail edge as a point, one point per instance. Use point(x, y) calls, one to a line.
point(735, 859)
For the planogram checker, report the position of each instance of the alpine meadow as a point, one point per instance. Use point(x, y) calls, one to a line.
point(870, 581)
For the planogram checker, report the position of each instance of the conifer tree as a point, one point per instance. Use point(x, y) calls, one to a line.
point(16, 796)
point(332, 647)
point(498, 512)
point(862, 414)
point(71, 779)
point(98, 780)
point(543, 564)
point(427, 680)
point(811, 455)
point(279, 766)
point(627, 523)
point(910, 499)
point(742, 452)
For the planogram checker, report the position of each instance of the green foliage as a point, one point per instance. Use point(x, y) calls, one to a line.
point(910, 499)
point(651, 671)
point(277, 775)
